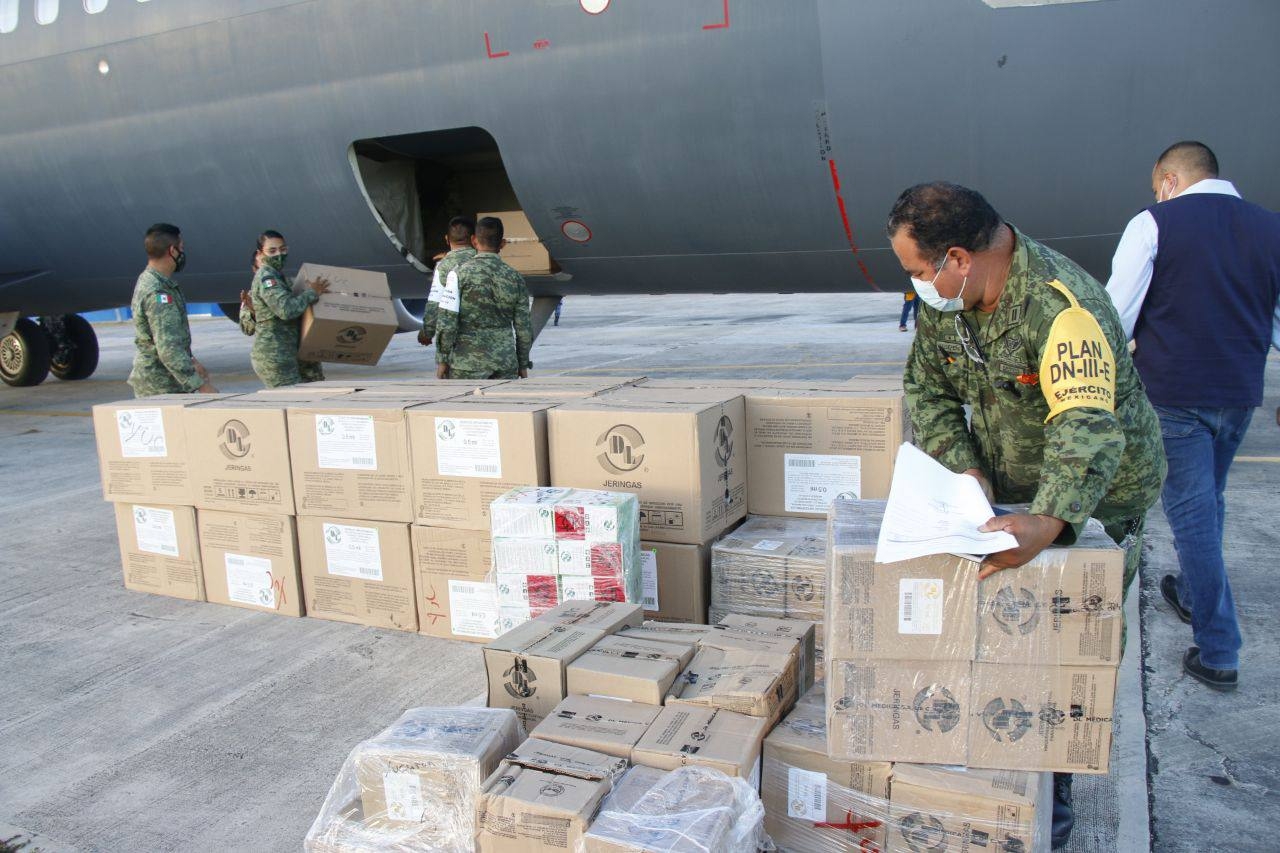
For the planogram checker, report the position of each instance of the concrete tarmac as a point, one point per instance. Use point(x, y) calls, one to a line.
point(136, 722)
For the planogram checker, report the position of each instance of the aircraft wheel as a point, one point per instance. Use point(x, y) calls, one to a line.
point(75, 348)
point(24, 355)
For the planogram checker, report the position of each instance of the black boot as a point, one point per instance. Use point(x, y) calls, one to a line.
point(1064, 816)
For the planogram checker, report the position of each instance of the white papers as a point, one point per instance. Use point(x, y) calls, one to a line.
point(933, 511)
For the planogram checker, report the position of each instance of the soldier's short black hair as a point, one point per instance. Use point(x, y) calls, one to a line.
point(489, 232)
point(1191, 156)
point(940, 215)
point(160, 238)
point(461, 228)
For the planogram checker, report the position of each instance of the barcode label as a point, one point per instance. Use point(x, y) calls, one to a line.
point(353, 552)
point(806, 795)
point(920, 605)
point(487, 469)
point(364, 461)
point(812, 481)
point(468, 447)
point(906, 607)
point(801, 463)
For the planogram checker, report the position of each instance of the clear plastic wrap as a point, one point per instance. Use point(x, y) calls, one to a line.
point(925, 663)
point(416, 785)
point(688, 810)
point(817, 804)
point(552, 545)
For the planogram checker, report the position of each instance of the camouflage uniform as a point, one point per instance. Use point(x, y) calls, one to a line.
point(446, 265)
point(482, 302)
point(1085, 461)
point(277, 312)
point(248, 324)
point(163, 363)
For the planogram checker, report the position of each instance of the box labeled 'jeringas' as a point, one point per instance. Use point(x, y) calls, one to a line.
point(240, 455)
point(251, 561)
point(358, 571)
point(1042, 717)
point(353, 322)
point(898, 711)
point(919, 609)
point(142, 448)
point(1064, 607)
point(683, 460)
point(467, 453)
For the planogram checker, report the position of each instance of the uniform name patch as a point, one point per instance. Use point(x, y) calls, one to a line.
point(1078, 368)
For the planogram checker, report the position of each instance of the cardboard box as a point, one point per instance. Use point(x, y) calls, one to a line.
point(813, 802)
point(524, 251)
point(160, 550)
point(914, 711)
point(351, 458)
point(423, 775)
point(753, 683)
point(351, 324)
point(467, 454)
point(806, 448)
point(799, 668)
point(668, 632)
point(239, 451)
point(920, 609)
point(1042, 717)
point(1064, 607)
point(251, 561)
point(676, 579)
point(800, 631)
point(683, 460)
point(358, 571)
point(142, 448)
point(627, 668)
point(526, 667)
point(772, 567)
point(538, 593)
point(543, 797)
point(971, 811)
point(688, 734)
point(610, 726)
point(607, 616)
point(456, 598)
point(555, 387)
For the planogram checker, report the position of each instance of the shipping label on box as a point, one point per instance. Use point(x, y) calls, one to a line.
point(1064, 607)
point(240, 456)
point(610, 726)
point(358, 571)
point(160, 550)
point(351, 458)
point(807, 448)
point(1056, 718)
point(682, 460)
point(711, 737)
point(142, 448)
point(526, 666)
point(456, 598)
point(898, 711)
point(251, 561)
point(971, 811)
point(467, 453)
point(353, 322)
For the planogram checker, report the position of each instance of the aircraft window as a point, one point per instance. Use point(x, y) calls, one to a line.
point(93, 7)
point(46, 11)
point(8, 15)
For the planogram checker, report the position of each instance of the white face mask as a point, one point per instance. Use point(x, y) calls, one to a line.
point(936, 300)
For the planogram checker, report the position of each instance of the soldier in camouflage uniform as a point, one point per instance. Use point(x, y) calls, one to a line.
point(163, 363)
point(458, 239)
point(483, 330)
point(1032, 345)
point(277, 317)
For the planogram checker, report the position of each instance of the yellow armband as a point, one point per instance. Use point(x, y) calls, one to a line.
point(1078, 368)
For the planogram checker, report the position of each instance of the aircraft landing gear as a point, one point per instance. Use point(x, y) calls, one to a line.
point(64, 345)
point(24, 354)
point(73, 346)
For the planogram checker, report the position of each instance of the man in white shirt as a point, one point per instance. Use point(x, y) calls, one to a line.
point(1196, 282)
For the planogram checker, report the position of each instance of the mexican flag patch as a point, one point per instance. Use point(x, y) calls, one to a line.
point(164, 298)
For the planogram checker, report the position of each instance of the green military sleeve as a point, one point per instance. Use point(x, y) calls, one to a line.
point(937, 412)
point(248, 324)
point(172, 338)
point(523, 326)
point(284, 304)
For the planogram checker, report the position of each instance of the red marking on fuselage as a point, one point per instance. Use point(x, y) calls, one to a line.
point(723, 25)
point(848, 229)
point(488, 48)
point(542, 44)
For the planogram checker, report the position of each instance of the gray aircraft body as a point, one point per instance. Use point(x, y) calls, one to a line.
point(656, 146)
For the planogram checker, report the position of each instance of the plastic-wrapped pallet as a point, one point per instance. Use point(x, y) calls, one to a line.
point(969, 811)
point(688, 810)
point(416, 785)
point(552, 545)
point(775, 567)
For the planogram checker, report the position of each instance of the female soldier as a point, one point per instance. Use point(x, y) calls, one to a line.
point(277, 315)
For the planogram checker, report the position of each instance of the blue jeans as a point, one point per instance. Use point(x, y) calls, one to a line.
point(909, 307)
point(1200, 444)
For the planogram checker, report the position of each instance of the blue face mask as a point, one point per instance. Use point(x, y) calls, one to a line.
point(936, 300)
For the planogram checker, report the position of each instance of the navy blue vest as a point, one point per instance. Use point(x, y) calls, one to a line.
point(1205, 325)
